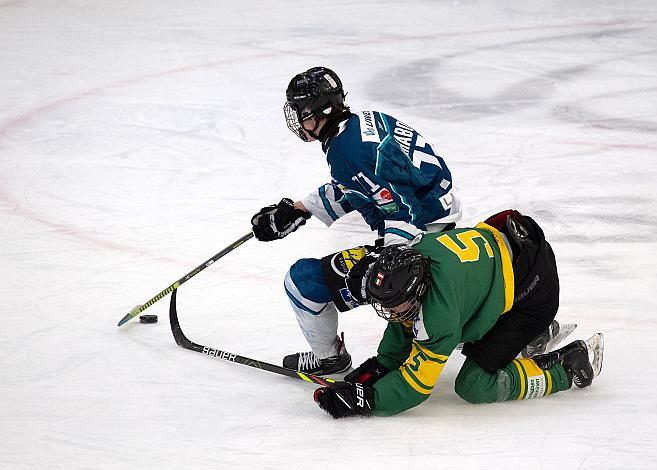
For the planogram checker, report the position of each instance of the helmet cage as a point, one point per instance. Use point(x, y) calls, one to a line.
point(293, 121)
point(395, 317)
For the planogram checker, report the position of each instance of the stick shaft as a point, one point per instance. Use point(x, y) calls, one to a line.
point(140, 308)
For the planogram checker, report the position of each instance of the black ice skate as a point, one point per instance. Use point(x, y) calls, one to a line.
point(582, 360)
point(309, 363)
point(546, 341)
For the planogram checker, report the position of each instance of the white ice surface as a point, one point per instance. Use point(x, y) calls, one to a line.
point(137, 139)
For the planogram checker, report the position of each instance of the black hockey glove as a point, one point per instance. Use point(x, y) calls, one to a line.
point(278, 220)
point(357, 278)
point(367, 373)
point(342, 399)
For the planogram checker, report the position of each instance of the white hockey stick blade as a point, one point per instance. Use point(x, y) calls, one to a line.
point(596, 346)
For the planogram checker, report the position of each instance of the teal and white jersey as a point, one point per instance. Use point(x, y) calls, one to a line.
point(390, 174)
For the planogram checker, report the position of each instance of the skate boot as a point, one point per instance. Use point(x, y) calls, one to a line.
point(309, 363)
point(546, 341)
point(581, 360)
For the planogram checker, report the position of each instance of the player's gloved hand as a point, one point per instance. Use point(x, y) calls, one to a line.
point(356, 279)
point(278, 220)
point(342, 399)
point(367, 373)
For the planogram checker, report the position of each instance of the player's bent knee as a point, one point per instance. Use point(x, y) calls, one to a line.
point(305, 281)
point(475, 385)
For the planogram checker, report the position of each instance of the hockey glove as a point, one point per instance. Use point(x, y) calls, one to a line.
point(278, 220)
point(342, 399)
point(357, 278)
point(367, 373)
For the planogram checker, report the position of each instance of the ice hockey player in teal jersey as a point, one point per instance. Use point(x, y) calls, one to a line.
point(380, 167)
point(493, 287)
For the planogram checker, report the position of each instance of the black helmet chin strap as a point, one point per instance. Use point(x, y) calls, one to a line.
point(313, 133)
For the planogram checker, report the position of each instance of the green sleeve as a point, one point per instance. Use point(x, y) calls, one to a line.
point(392, 395)
point(394, 346)
point(413, 381)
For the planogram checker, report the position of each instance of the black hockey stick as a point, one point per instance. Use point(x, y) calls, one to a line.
point(140, 308)
point(182, 341)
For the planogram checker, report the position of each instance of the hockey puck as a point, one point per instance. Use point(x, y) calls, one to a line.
point(148, 318)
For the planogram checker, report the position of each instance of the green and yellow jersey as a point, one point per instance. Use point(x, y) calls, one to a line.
point(471, 286)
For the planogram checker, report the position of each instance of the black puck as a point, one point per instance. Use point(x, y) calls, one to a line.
point(148, 318)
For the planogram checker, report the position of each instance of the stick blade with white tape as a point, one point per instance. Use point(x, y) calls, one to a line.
point(131, 314)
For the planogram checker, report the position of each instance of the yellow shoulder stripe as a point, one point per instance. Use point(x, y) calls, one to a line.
point(507, 266)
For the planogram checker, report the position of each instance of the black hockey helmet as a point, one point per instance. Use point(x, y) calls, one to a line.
point(400, 275)
point(318, 93)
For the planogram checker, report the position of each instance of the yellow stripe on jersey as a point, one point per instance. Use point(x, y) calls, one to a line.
point(507, 265)
point(422, 368)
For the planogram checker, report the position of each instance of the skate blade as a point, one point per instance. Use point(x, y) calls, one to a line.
point(564, 331)
point(595, 346)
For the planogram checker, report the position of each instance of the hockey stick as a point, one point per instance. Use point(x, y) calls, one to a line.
point(140, 308)
point(182, 341)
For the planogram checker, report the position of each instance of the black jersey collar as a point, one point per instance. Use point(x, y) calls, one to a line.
point(331, 128)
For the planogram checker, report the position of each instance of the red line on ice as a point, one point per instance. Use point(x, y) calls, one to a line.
point(24, 118)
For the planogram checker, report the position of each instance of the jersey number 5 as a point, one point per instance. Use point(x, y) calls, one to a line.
point(467, 249)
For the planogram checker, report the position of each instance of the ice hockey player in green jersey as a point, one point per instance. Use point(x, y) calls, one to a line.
point(494, 288)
